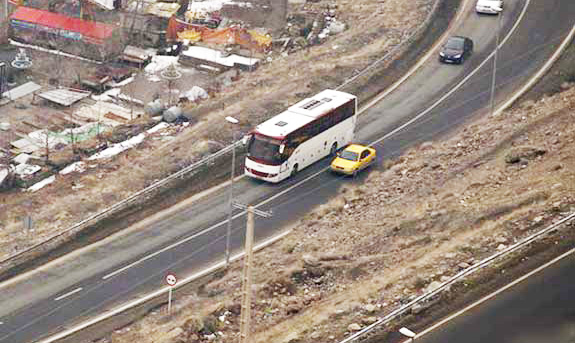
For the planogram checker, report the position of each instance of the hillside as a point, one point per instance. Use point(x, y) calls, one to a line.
point(358, 257)
point(361, 255)
point(288, 77)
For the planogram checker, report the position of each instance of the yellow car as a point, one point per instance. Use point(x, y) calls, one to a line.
point(353, 158)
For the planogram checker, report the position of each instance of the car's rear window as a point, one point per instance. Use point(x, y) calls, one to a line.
point(454, 43)
point(349, 155)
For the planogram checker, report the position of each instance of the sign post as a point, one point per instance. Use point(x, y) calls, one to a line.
point(171, 280)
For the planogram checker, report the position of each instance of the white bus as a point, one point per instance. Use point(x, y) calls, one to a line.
point(303, 134)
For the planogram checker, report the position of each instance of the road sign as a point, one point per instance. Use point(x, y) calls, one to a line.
point(171, 280)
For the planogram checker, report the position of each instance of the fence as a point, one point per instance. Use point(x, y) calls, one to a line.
point(41, 247)
point(477, 266)
point(61, 237)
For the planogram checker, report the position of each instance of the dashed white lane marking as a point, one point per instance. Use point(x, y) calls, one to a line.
point(206, 271)
point(400, 128)
point(461, 83)
point(68, 294)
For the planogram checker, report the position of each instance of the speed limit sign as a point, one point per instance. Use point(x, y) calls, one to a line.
point(171, 280)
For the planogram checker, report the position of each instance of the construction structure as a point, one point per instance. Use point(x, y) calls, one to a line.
point(78, 36)
point(100, 29)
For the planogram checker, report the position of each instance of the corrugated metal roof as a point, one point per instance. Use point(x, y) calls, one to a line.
point(107, 113)
point(107, 4)
point(88, 29)
point(64, 96)
point(163, 9)
point(22, 90)
point(24, 145)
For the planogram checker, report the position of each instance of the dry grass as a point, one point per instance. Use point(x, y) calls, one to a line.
point(380, 245)
point(287, 78)
point(417, 222)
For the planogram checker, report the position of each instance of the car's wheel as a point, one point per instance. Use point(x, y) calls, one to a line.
point(294, 170)
point(355, 173)
point(333, 149)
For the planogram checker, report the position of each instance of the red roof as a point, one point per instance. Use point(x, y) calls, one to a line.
point(91, 29)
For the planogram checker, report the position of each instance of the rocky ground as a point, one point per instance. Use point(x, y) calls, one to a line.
point(255, 96)
point(362, 255)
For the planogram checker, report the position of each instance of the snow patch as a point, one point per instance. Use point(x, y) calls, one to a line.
point(41, 184)
point(160, 62)
point(79, 167)
point(119, 147)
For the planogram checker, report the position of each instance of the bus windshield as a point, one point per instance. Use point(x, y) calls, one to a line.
point(265, 149)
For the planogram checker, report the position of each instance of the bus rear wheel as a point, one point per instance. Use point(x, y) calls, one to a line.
point(333, 149)
point(294, 170)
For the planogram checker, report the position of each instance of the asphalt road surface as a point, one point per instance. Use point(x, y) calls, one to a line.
point(135, 261)
point(540, 309)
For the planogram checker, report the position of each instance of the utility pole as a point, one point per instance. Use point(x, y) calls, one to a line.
point(497, 33)
point(232, 121)
point(245, 315)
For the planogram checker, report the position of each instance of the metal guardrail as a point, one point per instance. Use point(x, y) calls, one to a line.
point(124, 203)
point(396, 49)
point(477, 266)
point(206, 160)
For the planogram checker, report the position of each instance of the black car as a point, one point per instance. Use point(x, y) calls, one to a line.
point(456, 49)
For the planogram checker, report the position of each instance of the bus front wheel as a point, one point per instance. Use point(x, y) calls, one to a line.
point(294, 170)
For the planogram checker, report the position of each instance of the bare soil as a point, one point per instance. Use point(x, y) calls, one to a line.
point(361, 255)
point(251, 99)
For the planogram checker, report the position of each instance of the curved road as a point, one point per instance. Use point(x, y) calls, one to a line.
point(537, 309)
point(134, 262)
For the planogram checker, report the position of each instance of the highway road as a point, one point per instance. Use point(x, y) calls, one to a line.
point(133, 262)
point(539, 309)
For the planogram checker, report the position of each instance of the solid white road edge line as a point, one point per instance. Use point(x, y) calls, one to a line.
point(214, 189)
point(502, 289)
point(285, 233)
point(418, 65)
point(68, 294)
point(159, 292)
point(134, 227)
point(218, 265)
point(462, 82)
point(539, 74)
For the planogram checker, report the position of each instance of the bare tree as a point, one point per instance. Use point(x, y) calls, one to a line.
point(73, 136)
point(5, 159)
point(47, 140)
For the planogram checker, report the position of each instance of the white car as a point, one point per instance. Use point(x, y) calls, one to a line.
point(489, 6)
